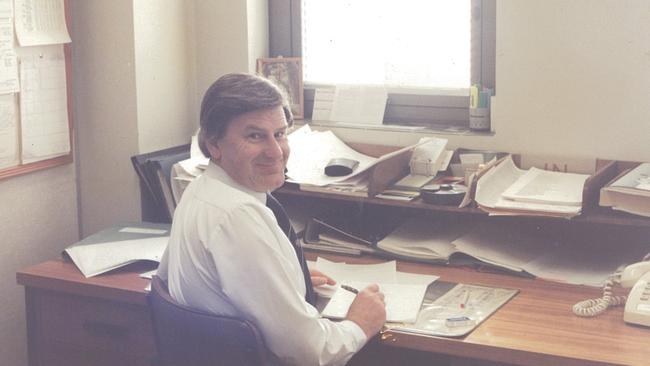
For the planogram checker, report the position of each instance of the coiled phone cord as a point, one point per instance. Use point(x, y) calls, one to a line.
point(593, 307)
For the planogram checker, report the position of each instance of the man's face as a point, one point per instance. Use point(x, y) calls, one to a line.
point(254, 150)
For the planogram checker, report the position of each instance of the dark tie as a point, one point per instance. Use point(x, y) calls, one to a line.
point(285, 225)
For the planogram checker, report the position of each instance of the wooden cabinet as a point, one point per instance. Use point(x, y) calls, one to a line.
point(69, 324)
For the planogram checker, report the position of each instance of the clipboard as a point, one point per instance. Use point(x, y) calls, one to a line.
point(454, 309)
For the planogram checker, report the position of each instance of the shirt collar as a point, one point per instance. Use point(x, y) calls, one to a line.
point(217, 172)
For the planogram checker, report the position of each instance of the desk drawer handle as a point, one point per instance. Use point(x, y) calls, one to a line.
point(105, 329)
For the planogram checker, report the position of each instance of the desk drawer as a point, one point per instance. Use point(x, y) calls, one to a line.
point(67, 321)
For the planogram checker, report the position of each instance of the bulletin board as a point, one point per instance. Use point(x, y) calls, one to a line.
point(36, 126)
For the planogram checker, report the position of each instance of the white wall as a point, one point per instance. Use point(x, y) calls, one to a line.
point(105, 112)
point(37, 220)
point(229, 37)
point(165, 79)
point(134, 82)
point(572, 81)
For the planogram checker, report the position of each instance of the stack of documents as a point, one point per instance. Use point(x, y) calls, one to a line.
point(508, 190)
point(517, 249)
point(403, 292)
point(118, 246)
point(311, 151)
point(187, 170)
point(629, 192)
point(319, 235)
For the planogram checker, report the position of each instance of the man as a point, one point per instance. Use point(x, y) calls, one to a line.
point(227, 252)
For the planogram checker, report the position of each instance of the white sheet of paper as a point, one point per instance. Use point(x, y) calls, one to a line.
point(43, 104)
point(495, 181)
point(312, 150)
point(370, 273)
point(402, 301)
point(41, 22)
point(359, 104)
point(323, 103)
point(548, 187)
point(8, 131)
point(142, 230)
point(99, 258)
point(8, 60)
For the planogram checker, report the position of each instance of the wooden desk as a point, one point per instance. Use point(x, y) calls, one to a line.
point(104, 320)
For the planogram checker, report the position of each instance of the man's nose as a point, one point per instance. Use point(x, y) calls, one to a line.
point(274, 148)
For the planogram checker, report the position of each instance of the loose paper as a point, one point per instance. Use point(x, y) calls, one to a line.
point(41, 22)
point(8, 131)
point(43, 104)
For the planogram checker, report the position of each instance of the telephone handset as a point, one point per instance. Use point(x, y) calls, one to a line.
point(637, 306)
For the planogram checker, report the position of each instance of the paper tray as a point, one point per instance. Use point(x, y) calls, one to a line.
point(443, 300)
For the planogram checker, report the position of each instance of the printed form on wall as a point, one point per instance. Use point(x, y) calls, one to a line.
point(41, 22)
point(8, 60)
point(8, 84)
point(8, 131)
point(43, 103)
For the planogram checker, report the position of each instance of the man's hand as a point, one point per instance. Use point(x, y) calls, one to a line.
point(368, 310)
point(318, 278)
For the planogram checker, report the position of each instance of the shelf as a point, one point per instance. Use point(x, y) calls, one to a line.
point(594, 215)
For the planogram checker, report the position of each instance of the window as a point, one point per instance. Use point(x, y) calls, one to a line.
point(426, 52)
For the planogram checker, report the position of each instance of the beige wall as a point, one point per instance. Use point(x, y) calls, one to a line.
point(571, 79)
point(134, 79)
point(105, 112)
point(165, 79)
point(229, 36)
point(37, 220)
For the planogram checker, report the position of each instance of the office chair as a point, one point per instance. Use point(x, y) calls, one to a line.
point(154, 170)
point(188, 337)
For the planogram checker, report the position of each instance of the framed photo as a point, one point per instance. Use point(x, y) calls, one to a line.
point(286, 73)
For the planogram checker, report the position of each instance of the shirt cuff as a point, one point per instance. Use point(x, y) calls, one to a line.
point(359, 336)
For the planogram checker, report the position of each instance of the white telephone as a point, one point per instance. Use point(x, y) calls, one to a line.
point(637, 306)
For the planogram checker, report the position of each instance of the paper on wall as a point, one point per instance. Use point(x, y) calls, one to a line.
point(8, 131)
point(40, 22)
point(43, 104)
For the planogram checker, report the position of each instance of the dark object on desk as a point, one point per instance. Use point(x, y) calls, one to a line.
point(339, 167)
point(443, 194)
point(189, 337)
point(154, 171)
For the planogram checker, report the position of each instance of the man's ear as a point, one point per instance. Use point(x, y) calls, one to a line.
point(213, 149)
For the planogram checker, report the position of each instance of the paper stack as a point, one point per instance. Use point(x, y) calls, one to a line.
point(187, 170)
point(312, 150)
point(403, 292)
point(508, 190)
point(629, 192)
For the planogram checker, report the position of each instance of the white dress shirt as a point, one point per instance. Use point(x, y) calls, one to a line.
point(228, 256)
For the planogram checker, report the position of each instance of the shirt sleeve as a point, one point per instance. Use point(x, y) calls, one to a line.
point(261, 275)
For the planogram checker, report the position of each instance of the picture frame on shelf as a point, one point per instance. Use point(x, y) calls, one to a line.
point(286, 73)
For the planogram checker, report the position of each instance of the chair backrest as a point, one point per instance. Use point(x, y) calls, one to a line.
point(188, 337)
point(154, 171)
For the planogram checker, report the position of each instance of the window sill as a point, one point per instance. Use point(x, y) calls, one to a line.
point(459, 131)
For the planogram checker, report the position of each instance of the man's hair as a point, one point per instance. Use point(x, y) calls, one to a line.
point(231, 96)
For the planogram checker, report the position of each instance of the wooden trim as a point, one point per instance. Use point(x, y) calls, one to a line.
point(63, 159)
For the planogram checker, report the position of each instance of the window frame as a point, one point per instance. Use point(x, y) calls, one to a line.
point(435, 111)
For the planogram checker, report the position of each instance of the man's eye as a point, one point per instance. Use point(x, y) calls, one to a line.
point(255, 136)
point(280, 134)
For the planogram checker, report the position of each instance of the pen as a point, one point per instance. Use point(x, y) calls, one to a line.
point(350, 288)
point(465, 298)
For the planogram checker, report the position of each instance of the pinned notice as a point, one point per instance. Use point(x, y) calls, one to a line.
point(40, 22)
